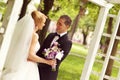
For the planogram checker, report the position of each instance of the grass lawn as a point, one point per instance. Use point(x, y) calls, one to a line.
point(79, 49)
point(71, 68)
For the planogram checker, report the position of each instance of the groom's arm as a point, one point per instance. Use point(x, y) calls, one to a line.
point(66, 47)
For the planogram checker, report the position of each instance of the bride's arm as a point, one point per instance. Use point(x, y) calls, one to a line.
point(32, 55)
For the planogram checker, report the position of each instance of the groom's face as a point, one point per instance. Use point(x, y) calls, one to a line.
point(61, 27)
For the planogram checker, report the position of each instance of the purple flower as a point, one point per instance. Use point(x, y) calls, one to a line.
point(54, 52)
point(50, 53)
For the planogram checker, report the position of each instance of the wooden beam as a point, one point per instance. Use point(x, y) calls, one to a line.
point(9, 21)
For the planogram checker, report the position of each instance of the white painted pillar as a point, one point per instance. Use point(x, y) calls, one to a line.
point(95, 41)
point(112, 39)
point(10, 19)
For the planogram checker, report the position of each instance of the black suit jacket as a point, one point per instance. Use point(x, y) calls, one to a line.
point(44, 69)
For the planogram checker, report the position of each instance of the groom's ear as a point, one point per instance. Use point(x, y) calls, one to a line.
point(67, 26)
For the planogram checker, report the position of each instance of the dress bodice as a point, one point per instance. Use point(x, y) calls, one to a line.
point(37, 46)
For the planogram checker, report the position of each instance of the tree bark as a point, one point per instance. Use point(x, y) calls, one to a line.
point(42, 33)
point(24, 8)
point(109, 31)
point(76, 20)
point(74, 26)
point(47, 7)
point(85, 33)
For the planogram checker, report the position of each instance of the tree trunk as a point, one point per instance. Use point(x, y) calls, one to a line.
point(85, 33)
point(76, 21)
point(109, 31)
point(113, 53)
point(24, 8)
point(74, 26)
point(47, 6)
point(85, 36)
point(42, 33)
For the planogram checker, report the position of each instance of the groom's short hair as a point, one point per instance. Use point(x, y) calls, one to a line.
point(68, 20)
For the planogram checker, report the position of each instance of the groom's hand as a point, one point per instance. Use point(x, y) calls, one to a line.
point(52, 62)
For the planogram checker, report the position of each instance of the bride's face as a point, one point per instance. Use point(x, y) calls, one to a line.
point(41, 24)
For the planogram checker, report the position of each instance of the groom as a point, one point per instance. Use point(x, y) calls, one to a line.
point(63, 25)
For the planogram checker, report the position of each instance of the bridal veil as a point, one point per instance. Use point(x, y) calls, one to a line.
point(20, 43)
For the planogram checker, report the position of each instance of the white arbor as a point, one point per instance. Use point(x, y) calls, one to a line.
point(90, 59)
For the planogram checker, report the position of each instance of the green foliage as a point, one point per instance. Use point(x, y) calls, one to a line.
point(2, 7)
point(71, 8)
point(115, 9)
point(68, 7)
point(36, 5)
point(90, 18)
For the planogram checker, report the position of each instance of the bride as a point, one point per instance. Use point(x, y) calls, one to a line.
point(21, 63)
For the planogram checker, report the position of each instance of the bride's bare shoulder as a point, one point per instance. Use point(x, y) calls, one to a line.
point(35, 36)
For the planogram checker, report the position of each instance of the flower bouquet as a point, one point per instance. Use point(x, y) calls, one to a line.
point(54, 52)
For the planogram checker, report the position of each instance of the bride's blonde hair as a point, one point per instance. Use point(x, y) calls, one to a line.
point(38, 16)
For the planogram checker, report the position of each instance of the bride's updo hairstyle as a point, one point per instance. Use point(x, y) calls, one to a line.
point(38, 18)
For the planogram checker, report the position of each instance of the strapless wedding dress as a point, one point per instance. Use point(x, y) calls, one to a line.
point(28, 70)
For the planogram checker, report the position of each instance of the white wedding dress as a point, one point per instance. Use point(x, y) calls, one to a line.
point(16, 66)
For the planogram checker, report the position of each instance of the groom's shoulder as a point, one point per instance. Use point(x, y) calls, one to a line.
point(51, 34)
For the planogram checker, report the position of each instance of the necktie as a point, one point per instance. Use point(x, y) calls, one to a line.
point(57, 35)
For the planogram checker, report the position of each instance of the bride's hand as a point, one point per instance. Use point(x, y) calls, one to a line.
point(52, 62)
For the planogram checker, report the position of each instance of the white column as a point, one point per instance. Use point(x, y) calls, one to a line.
point(112, 39)
point(10, 19)
point(95, 42)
